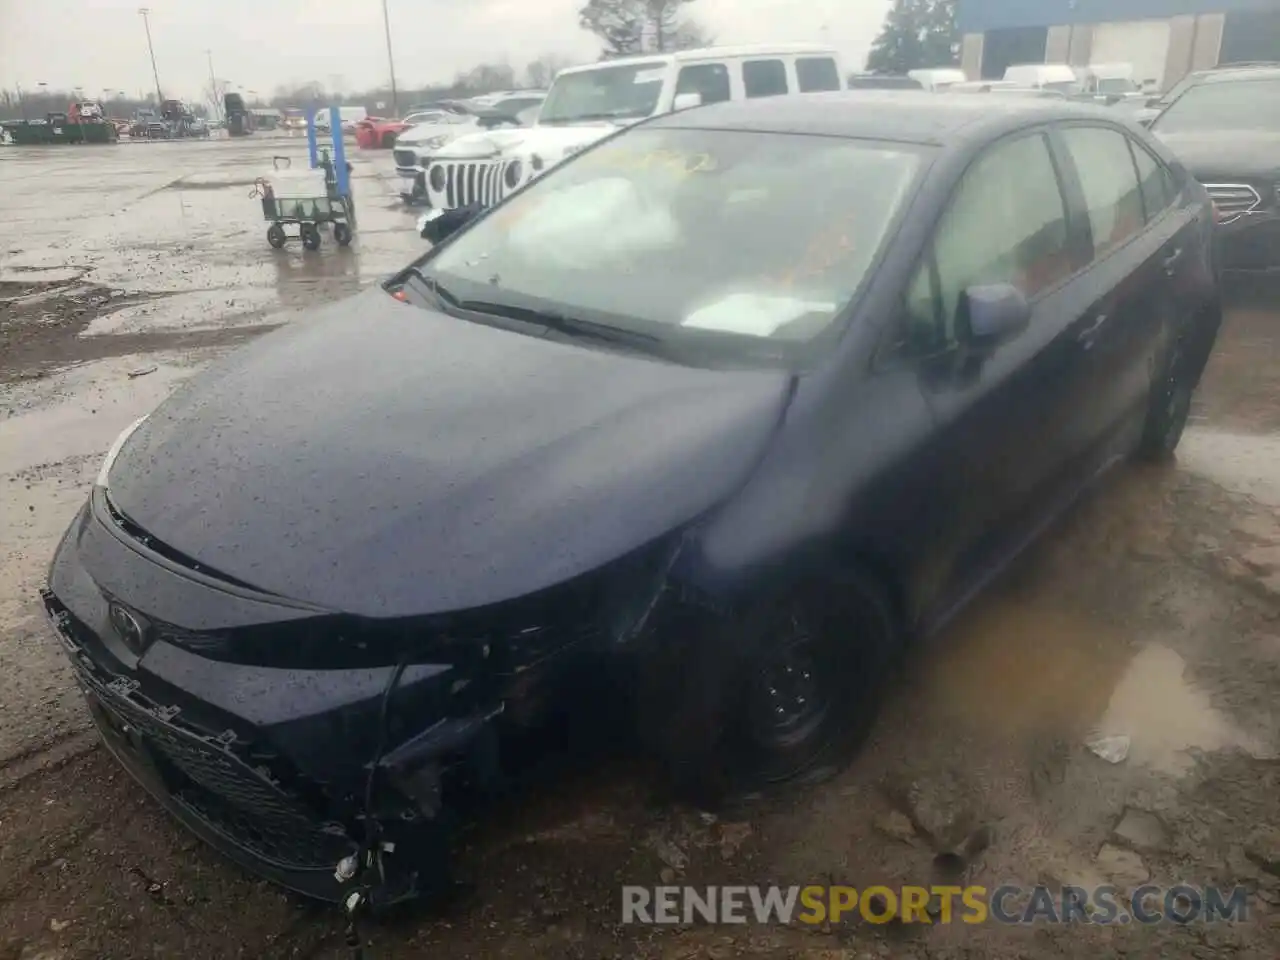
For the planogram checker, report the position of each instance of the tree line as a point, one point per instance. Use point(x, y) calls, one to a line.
point(916, 33)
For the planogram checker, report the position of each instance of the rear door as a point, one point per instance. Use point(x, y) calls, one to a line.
point(1135, 259)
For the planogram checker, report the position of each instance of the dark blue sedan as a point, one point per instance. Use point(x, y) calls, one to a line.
point(734, 406)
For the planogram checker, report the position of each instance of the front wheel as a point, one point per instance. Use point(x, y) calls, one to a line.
point(310, 236)
point(341, 233)
point(275, 235)
point(786, 688)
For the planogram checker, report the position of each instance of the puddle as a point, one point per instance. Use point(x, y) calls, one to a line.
point(197, 310)
point(97, 401)
point(1023, 672)
point(1243, 464)
point(1166, 718)
point(41, 275)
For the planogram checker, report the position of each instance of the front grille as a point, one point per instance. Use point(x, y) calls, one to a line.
point(405, 158)
point(472, 181)
point(1234, 200)
point(203, 772)
point(243, 803)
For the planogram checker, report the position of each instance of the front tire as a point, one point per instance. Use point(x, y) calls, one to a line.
point(781, 690)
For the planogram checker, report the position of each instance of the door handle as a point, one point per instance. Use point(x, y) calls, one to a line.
point(1170, 263)
point(1090, 333)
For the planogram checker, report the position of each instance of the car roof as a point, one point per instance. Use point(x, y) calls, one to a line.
point(903, 116)
point(1227, 73)
point(710, 53)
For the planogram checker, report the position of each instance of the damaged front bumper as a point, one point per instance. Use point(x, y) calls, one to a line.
point(268, 762)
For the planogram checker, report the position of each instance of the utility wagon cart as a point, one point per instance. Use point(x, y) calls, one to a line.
point(304, 201)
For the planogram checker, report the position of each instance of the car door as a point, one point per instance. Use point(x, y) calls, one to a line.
point(1004, 414)
point(1133, 262)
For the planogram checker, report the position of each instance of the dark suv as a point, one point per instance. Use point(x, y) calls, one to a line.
point(1225, 128)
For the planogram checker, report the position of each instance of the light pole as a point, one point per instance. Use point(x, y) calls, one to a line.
point(386, 26)
point(151, 50)
point(213, 87)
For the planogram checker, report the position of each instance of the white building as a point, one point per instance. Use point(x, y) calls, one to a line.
point(1163, 39)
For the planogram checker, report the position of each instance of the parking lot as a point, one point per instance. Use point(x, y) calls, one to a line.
point(1151, 614)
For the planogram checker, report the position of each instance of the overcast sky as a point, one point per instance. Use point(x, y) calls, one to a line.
point(259, 44)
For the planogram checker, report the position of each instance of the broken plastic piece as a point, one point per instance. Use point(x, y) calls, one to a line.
point(1110, 749)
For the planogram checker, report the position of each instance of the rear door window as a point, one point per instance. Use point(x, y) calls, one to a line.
point(764, 78)
point(710, 80)
point(1110, 184)
point(1155, 182)
point(817, 73)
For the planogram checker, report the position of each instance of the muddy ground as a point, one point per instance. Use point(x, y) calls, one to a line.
point(1152, 613)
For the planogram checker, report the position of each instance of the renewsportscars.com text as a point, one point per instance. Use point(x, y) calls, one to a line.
point(1006, 904)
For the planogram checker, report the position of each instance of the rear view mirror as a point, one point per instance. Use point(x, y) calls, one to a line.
point(995, 313)
point(684, 101)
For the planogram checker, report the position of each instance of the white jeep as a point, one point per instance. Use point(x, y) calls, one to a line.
point(587, 103)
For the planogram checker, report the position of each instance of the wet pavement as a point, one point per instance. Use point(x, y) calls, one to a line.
point(1147, 625)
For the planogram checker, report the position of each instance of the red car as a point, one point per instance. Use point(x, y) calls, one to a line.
point(374, 133)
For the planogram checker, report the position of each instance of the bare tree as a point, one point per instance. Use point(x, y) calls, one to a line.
point(630, 27)
point(539, 73)
point(485, 78)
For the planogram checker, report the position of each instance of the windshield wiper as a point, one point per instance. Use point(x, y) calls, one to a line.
point(433, 287)
point(563, 323)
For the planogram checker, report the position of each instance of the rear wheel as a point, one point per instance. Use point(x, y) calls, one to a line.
point(310, 236)
point(342, 234)
point(1169, 406)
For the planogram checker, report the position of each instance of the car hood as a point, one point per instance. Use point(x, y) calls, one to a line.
point(551, 142)
point(1223, 154)
point(420, 133)
point(385, 460)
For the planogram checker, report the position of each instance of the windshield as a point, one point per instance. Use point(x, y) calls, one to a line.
point(734, 237)
point(622, 92)
point(1224, 105)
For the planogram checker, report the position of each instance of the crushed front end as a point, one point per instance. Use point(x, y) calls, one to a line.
point(256, 721)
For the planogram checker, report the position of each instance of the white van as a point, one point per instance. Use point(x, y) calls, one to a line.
point(1058, 77)
point(589, 102)
point(937, 78)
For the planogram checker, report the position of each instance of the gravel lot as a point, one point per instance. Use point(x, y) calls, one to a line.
point(1153, 613)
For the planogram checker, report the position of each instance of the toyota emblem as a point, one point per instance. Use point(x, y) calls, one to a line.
point(128, 627)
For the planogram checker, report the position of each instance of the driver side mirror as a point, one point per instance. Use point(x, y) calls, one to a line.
point(994, 313)
point(1153, 102)
point(684, 101)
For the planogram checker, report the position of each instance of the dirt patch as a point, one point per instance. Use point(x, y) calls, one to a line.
point(41, 325)
point(185, 184)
